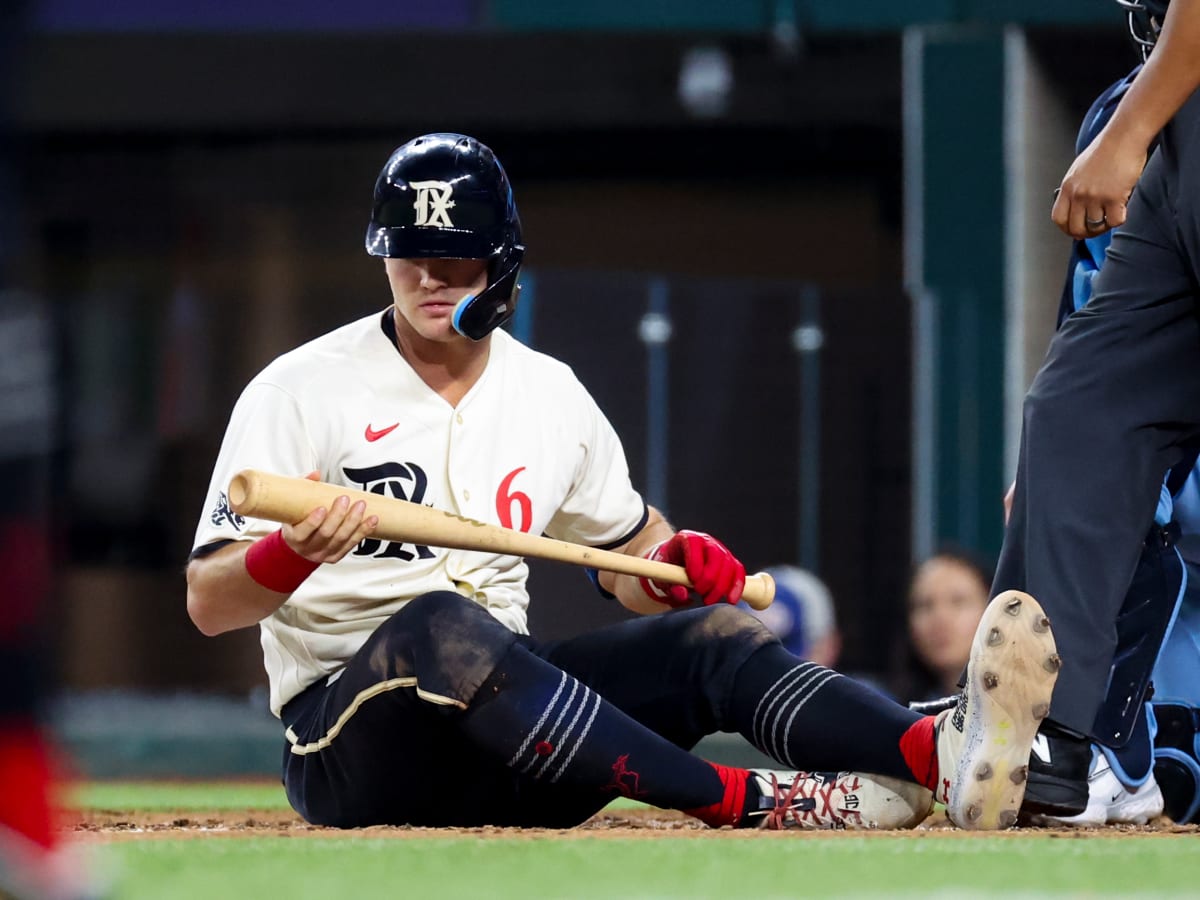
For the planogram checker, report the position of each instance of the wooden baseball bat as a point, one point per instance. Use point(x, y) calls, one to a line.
point(283, 499)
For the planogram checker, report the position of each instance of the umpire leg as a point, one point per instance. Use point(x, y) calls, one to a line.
point(1117, 395)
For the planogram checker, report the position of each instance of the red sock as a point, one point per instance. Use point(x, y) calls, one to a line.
point(26, 785)
point(729, 809)
point(919, 749)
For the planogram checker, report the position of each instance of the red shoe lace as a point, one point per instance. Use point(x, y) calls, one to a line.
point(777, 818)
point(826, 794)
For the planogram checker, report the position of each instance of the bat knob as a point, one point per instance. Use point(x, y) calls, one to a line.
point(759, 590)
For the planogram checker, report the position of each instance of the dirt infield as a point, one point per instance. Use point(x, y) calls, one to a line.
point(103, 826)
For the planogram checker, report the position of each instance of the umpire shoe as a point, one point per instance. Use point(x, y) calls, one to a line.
point(1110, 800)
point(836, 800)
point(1058, 775)
point(983, 743)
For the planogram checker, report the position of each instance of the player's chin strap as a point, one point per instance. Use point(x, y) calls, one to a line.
point(477, 315)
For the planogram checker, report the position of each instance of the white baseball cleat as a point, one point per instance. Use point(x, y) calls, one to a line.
point(837, 800)
point(983, 743)
point(1111, 801)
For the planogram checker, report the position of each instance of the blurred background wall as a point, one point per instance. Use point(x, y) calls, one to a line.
point(840, 210)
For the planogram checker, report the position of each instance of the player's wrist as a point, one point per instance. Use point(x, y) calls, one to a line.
point(271, 563)
point(653, 552)
point(670, 595)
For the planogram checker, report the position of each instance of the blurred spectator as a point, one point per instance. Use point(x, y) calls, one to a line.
point(946, 597)
point(35, 864)
point(802, 615)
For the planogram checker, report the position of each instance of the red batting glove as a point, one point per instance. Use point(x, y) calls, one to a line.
point(715, 573)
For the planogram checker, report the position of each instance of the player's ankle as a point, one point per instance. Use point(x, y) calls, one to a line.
point(731, 808)
point(918, 746)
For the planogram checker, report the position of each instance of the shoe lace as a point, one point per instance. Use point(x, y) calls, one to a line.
point(784, 797)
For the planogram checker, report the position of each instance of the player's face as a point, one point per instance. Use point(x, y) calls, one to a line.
point(944, 606)
point(425, 292)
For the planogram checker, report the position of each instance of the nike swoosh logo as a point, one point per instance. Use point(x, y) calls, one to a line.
point(1041, 748)
point(373, 435)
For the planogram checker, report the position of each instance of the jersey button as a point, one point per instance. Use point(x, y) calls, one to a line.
point(466, 495)
point(458, 418)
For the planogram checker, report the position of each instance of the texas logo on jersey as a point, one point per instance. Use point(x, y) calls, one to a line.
point(404, 481)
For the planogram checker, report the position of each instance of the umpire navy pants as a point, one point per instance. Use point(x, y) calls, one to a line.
point(377, 744)
point(1106, 417)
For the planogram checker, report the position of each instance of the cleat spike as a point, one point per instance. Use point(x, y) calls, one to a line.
point(1008, 818)
point(1019, 775)
point(995, 638)
point(1013, 606)
point(1041, 710)
point(1041, 625)
point(974, 811)
point(984, 772)
point(990, 680)
point(1053, 663)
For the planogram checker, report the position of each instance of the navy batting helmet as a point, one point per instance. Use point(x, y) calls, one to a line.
point(446, 196)
point(1145, 19)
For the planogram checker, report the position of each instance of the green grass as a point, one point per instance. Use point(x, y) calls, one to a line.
point(589, 867)
point(585, 865)
point(153, 796)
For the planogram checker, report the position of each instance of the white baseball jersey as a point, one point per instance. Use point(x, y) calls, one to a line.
point(526, 448)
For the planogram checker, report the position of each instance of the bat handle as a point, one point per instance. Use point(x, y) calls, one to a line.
point(759, 590)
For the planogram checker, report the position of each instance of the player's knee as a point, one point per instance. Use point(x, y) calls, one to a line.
point(725, 626)
point(440, 635)
point(436, 608)
point(444, 617)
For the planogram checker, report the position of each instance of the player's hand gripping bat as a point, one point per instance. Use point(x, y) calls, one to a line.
point(283, 499)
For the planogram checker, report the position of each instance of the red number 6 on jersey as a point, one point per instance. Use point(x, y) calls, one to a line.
point(505, 501)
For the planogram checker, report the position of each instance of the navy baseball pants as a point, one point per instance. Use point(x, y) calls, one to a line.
point(378, 743)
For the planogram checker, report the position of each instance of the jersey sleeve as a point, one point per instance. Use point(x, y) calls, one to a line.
point(602, 509)
point(266, 431)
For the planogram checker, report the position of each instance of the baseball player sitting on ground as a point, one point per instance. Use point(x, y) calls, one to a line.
point(404, 676)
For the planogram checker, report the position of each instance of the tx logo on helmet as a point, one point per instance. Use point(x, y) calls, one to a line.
point(433, 203)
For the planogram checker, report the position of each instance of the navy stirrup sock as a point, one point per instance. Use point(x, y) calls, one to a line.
point(812, 718)
point(548, 726)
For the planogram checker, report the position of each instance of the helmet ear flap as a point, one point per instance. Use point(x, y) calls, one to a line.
point(478, 315)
